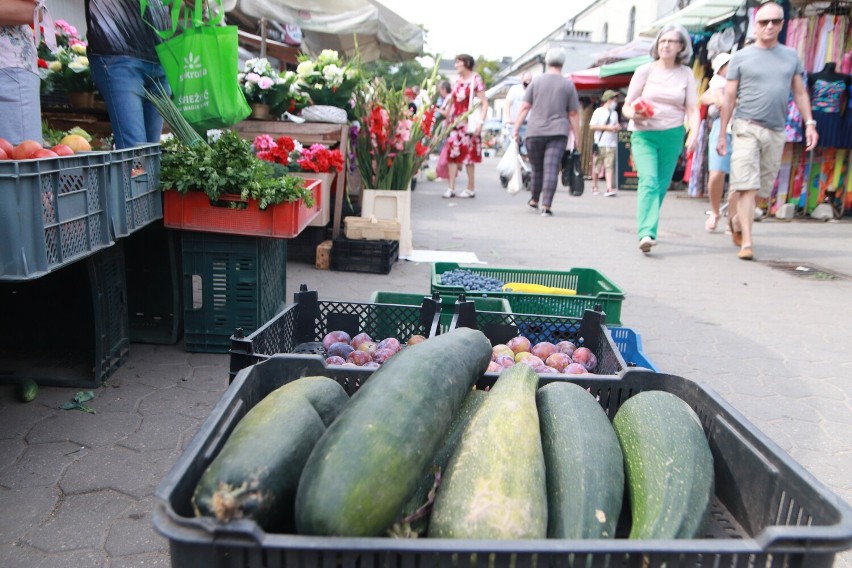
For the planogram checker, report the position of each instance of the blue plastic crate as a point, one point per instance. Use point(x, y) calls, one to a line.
point(134, 188)
point(629, 342)
point(53, 211)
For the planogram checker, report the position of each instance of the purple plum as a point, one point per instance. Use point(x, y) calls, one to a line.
point(566, 347)
point(334, 360)
point(340, 349)
point(358, 357)
point(586, 358)
point(359, 339)
point(558, 361)
point(382, 355)
point(391, 343)
point(575, 369)
point(335, 337)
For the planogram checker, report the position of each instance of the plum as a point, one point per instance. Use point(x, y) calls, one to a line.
point(585, 357)
point(519, 344)
point(368, 347)
point(493, 367)
point(359, 339)
point(371, 365)
point(575, 369)
point(501, 349)
point(340, 349)
point(543, 350)
point(415, 339)
point(383, 354)
point(335, 337)
point(545, 369)
point(558, 361)
point(358, 357)
point(335, 360)
point(505, 360)
point(566, 347)
point(531, 360)
point(391, 343)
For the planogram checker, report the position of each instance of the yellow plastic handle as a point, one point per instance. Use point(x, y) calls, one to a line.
point(537, 289)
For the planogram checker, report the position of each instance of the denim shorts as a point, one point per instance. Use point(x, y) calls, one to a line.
point(20, 105)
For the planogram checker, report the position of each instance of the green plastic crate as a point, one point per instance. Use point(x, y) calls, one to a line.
point(593, 289)
point(229, 282)
point(448, 304)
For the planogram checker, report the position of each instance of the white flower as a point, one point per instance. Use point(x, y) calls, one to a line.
point(77, 65)
point(79, 48)
point(305, 68)
point(241, 77)
point(328, 56)
point(333, 75)
point(55, 66)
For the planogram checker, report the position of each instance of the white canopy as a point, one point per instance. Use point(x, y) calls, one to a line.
point(338, 24)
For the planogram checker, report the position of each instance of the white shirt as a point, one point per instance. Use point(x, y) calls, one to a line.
point(604, 138)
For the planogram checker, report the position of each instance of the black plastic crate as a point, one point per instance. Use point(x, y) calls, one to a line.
point(768, 511)
point(303, 247)
point(68, 328)
point(229, 282)
point(302, 325)
point(153, 285)
point(375, 257)
point(589, 331)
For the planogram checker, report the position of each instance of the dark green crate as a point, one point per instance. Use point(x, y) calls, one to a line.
point(153, 285)
point(593, 289)
point(68, 328)
point(229, 282)
point(448, 304)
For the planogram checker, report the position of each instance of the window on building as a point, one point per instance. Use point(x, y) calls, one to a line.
point(605, 33)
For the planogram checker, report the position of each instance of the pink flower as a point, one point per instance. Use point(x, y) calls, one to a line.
point(252, 77)
point(265, 82)
point(263, 143)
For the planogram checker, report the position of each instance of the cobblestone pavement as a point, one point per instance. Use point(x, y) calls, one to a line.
point(76, 488)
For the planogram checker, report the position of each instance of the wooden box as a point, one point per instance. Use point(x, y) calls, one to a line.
point(371, 229)
point(323, 261)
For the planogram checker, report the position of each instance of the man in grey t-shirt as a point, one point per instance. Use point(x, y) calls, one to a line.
point(760, 78)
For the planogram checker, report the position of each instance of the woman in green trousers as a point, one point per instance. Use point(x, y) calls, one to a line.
point(661, 97)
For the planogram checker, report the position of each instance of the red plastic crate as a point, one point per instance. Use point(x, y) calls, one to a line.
point(194, 212)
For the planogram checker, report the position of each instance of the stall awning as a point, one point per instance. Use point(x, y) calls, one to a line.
point(699, 14)
point(624, 66)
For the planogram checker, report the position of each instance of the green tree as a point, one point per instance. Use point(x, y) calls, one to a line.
point(396, 75)
point(487, 68)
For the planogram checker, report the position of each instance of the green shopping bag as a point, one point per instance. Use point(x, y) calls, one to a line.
point(201, 65)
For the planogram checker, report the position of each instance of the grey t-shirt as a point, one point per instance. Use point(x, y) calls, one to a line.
point(765, 78)
point(552, 97)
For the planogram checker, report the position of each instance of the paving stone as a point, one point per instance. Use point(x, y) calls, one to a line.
point(187, 402)
point(132, 533)
point(10, 451)
point(126, 471)
point(157, 560)
point(92, 430)
point(16, 419)
point(144, 355)
point(81, 522)
point(41, 465)
point(159, 432)
point(159, 376)
point(88, 558)
point(121, 397)
point(206, 379)
point(30, 506)
point(19, 555)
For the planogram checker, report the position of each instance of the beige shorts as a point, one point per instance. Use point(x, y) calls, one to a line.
point(605, 157)
point(755, 157)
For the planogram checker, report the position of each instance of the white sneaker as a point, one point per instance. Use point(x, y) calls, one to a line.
point(448, 194)
point(610, 193)
point(645, 244)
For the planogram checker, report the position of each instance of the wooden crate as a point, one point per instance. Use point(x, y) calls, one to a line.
point(371, 228)
point(323, 261)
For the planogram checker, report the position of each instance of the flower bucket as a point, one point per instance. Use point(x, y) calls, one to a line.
point(259, 111)
point(85, 99)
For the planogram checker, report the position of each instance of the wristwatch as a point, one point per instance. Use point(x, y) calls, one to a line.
point(810, 122)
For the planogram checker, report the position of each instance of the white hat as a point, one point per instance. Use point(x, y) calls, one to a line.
point(720, 61)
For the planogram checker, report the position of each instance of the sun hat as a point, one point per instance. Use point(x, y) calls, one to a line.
point(609, 94)
point(720, 61)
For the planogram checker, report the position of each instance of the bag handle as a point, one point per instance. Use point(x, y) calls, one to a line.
point(195, 15)
point(41, 17)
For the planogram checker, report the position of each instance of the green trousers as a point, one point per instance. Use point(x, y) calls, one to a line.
point(655, 154)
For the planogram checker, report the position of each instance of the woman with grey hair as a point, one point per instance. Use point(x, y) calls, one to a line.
point(661, 97)
point(553, 106)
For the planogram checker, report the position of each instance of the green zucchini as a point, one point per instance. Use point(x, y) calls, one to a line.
point(668, 464)
point(256, 473)
point(28, 390)
point(369, 461)
point(420, 498)
point(494, 487)
point(585, 468)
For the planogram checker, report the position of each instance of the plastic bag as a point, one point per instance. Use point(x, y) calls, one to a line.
point(514, 185)
point(442, 170)
point(506, 165)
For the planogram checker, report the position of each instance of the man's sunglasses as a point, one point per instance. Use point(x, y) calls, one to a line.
point(773, 21)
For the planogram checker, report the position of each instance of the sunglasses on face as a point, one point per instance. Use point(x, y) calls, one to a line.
point(773, 21)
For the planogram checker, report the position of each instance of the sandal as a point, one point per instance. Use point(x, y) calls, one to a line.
point(467, 194)
point(448, 194)
point(736, 236)
point(533, 204)
point(710, 225)
point(745, 254)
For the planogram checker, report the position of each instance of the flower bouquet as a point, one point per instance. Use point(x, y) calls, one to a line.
point(291, 156)
point(258, 81)
point(393, 142)
point(67, 66)
point(327, 80)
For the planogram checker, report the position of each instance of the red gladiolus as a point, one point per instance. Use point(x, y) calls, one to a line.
point(428, 121)
point(420, 149)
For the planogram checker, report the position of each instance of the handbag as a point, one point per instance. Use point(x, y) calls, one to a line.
point(474, 119)
point(201, 66)
point(572, 162)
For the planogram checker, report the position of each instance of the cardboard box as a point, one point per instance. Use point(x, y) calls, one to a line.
point(323, 261)
point(371, 228)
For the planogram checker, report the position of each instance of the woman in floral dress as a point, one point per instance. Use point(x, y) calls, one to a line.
point(465, 148)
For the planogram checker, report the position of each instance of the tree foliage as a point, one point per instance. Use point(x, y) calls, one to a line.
point(396, 75)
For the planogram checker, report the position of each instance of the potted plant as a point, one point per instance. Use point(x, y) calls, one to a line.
point(317, 161)
point(328, 81)
point(67, 66)
point(260, 84)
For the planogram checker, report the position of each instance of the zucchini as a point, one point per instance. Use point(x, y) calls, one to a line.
point(668, 464)
point(494, 486)
point(256, 473)
point(585, 468)
point(369, 461)
point(420, 499)
point(28, 390)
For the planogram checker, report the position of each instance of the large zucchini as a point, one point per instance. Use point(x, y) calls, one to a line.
point(669, 466)
point(256, 473)
point(369, 461)
point(419, 500)
point(585, 468)
point(494, 487)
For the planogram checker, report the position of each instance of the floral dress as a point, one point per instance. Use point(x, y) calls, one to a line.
point(16, 43)
point(465, 148)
